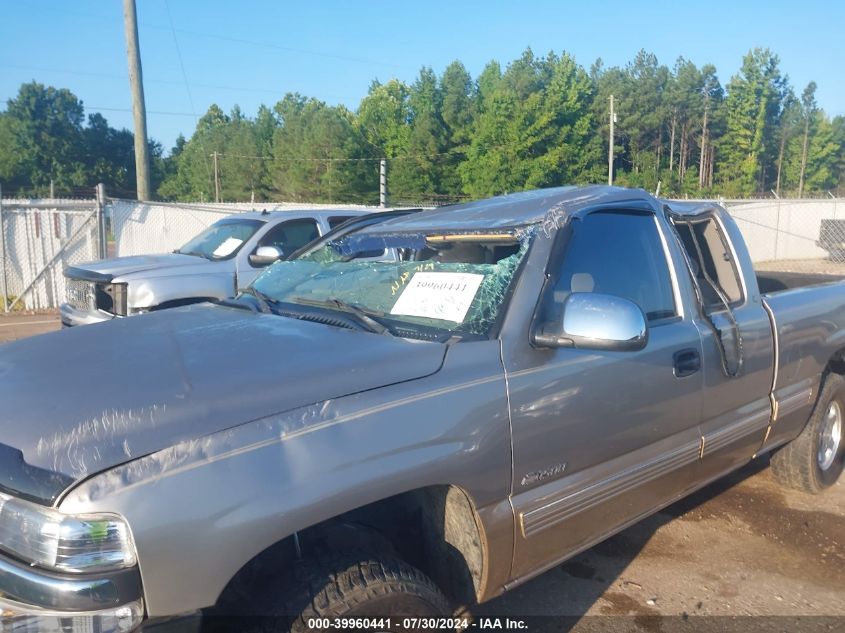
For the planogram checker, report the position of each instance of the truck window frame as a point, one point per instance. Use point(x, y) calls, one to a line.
point(557, 258)
point(262, 241)
point(727, 244)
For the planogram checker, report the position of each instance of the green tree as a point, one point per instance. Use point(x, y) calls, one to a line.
point(534, 128)
point(459, 98)
point(193, 177)
point(44, 129)
point(753, 107)
point(789, 122)
point(319, 154)
point(418, 175)
point(809, 110)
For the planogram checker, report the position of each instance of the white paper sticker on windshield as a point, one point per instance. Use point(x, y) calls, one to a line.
point(227, 247)
point(444, 296)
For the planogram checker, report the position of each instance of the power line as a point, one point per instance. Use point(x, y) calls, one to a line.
point(162, 112)
point(238, 40)
point(290, 49)
point(82, 73)
point(113, 109)
point(187, 85)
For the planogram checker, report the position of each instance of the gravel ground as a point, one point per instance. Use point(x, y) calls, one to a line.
point(814, 266)
point(743, 546)
point(15, 326)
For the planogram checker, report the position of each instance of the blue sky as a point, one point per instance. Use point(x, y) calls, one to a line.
point(249, 52)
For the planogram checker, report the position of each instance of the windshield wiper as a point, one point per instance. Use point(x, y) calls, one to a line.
point(364, 317)
point(191, 253)
point(266, 303)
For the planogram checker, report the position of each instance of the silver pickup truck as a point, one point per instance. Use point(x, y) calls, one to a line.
point(218, 263)
point(395, 439)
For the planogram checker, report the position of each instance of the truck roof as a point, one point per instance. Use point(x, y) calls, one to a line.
point(690, 207)
point(311, 213)
point(515, 209)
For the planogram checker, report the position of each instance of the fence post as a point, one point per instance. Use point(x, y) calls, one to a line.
point(382, 183)
point(101, 220)
point(3, 256)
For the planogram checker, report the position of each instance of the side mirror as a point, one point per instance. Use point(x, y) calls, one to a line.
point(265, 255)
point(596, 321)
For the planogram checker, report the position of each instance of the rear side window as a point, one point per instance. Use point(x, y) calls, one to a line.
point(618, 254)
point(337, 220)
point(291, 235)
point(712, 262)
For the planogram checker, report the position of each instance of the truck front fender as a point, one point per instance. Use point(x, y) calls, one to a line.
point(200, 510)
point(145, 294)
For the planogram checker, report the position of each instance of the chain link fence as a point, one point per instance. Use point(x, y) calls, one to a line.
point(141, 228)
point(38, 240)
point(793, 235)
point(42, 237)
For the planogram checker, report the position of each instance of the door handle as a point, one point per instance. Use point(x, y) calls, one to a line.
point(686, 362)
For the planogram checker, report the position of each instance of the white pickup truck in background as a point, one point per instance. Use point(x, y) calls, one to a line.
point(216, 264)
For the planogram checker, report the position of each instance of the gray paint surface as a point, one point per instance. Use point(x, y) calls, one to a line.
point(184, 374)
point(266, 426)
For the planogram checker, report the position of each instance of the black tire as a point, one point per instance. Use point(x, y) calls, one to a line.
point(351, 586)
point(798, 464)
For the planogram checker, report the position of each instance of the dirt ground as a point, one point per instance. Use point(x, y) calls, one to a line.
point(743, 546)
point(16, 326)
point(812, 266)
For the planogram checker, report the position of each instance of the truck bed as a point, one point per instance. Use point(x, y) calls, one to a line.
point(772, 282)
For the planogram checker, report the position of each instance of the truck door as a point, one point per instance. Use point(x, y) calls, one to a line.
point(602, 437)
point(737, 342)
point(286, 236)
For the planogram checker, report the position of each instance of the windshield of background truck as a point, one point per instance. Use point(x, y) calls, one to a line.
point(452, 282)
point(222, 239)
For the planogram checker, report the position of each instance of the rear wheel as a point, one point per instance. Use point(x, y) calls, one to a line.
point(815, 459)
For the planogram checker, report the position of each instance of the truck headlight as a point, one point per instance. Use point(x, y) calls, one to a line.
point(70, 543)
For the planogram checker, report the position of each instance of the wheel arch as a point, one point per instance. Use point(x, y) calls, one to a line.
point(436, 529)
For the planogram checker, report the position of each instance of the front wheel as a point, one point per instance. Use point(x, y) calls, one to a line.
point(815, 459)
point(352, 586)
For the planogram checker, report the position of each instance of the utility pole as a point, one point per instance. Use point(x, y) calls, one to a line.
point(139, 109)
point(382, 183)
point(610, 145)
point(216, 179)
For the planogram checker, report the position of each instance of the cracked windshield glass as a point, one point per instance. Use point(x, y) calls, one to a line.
point(411, 282)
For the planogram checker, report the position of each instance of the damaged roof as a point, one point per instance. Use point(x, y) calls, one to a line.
point(516, 209)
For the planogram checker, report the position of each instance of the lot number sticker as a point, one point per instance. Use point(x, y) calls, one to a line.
point(444, 296)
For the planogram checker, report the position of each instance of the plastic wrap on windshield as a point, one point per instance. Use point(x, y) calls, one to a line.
point(377, 285)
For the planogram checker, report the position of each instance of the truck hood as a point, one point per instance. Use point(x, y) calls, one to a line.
point(83, 400)
point(112, 269)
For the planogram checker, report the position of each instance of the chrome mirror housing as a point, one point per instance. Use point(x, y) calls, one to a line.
point(265, 255)
point(593, 320)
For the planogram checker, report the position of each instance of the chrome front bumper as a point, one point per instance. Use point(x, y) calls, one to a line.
point(36, 600)
point(72, 317)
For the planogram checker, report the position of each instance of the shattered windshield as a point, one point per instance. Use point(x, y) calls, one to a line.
point(222, 239)
point(451, 282)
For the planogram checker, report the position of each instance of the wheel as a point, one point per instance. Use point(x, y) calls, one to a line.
point(350, 586)
point(814, 460)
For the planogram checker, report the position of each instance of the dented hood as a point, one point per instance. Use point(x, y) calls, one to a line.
point(84, 400)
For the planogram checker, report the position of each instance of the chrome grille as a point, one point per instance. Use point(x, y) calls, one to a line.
point(80, 293)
